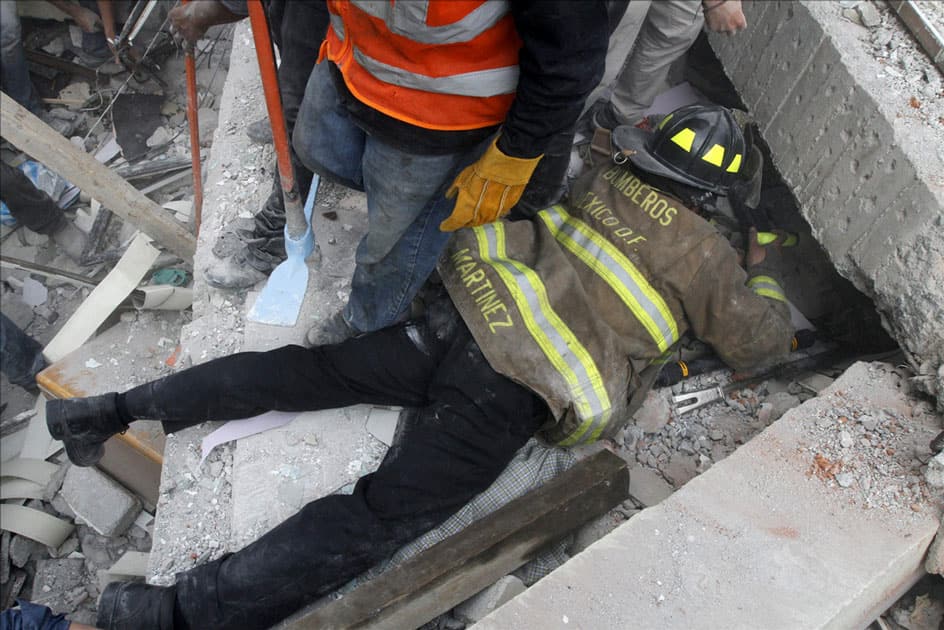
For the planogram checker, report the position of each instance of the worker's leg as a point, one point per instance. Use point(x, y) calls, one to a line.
point(384, 368)
point(670, 28)
point(457, 447)
point(302, 26)
point(30, 206)
point(325, 138)
point(21, 356)
point(14, 73)
point(381, 368)
point(405, 204)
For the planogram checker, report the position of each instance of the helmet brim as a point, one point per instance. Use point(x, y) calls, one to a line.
point(633, 143)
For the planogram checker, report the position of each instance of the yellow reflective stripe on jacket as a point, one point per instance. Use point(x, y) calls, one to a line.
point(558, 343)
point(608, 262)
point(766, 287)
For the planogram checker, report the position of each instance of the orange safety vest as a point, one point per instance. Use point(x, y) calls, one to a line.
point(438, 64)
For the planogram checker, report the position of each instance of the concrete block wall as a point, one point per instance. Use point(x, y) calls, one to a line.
point(866, 171)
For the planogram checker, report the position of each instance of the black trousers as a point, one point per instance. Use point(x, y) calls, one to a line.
point(469, 423)
point(30, 206)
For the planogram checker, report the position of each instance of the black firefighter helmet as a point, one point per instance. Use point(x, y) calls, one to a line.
point(697, 145)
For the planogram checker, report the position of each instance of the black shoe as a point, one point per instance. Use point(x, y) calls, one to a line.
point(136, 606)
point(83, 425)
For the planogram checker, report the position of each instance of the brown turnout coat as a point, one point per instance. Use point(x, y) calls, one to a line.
point(575, 303)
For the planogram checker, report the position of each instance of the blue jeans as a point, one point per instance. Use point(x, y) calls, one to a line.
point(405, 202)
point(14, 74)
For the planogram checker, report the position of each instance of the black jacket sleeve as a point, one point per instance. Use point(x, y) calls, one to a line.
point(561, 60)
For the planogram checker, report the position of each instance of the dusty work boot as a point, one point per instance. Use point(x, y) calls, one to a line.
point(248, 266)
point(233, 272)
point(83, 425)
point(332, 330)
point(136, 606)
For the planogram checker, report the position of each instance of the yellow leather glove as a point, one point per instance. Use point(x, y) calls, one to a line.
point(488, 189)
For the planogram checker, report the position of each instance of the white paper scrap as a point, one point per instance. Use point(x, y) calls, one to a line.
point(34, 293)
point(236, 429)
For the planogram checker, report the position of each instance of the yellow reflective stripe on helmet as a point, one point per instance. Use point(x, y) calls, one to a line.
point(622, 276)
point(767, 287)
point(685, 139)
point(715, 155)
point(665, 121)
point(735, 164)
point(558, 343)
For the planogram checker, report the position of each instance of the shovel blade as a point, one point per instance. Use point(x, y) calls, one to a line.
point(280, 301)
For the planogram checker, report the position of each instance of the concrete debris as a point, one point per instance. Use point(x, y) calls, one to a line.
point(868, 14)
point(22, 549)
point(648, 487)
point(99, 501)
point(934, 563)
point(654, 413)
point(935, 472)
point(160, 136)
point(489, 599)
point(61, 585)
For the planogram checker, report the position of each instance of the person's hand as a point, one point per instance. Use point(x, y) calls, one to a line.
point(186, 21)
point(488, 189)
point(724, 16)
point(87, 20)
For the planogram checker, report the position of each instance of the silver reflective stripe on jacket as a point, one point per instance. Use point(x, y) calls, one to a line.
point(556, 340)
point(408, 19)
point(614, 268)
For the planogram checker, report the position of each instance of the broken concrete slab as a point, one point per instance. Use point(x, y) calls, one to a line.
point(320, 452)
point(489, 599)
point(648, 487)
point(762, 539)
point(655, 413)
point(862, 155)
point(935, 560)
point(99, 501)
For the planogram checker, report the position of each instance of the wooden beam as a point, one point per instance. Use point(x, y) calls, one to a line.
point(448, 573)
point(31, 135)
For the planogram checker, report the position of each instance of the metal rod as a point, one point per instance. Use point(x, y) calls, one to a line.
point(192, 104)
point(294, 213)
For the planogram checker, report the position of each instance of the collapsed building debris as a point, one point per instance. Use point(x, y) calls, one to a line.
point(853, 451)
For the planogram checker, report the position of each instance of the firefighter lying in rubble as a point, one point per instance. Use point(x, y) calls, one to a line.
point(548, 327)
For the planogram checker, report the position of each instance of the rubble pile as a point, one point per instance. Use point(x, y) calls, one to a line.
point(68, 579)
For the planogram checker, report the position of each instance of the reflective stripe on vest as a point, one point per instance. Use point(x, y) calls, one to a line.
point(408, 19)
point(767, 287)
point(436, 64)
point(482, 83)
point(558, 343)
point(614, 268)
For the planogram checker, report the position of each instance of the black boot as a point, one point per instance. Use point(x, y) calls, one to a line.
point(83, 425)
point(136, 606)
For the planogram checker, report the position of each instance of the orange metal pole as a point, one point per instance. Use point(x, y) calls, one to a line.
point(192, 107)
point(294, 216)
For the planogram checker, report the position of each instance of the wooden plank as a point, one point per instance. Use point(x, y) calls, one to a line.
point(436, 580)
point(31, 135)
